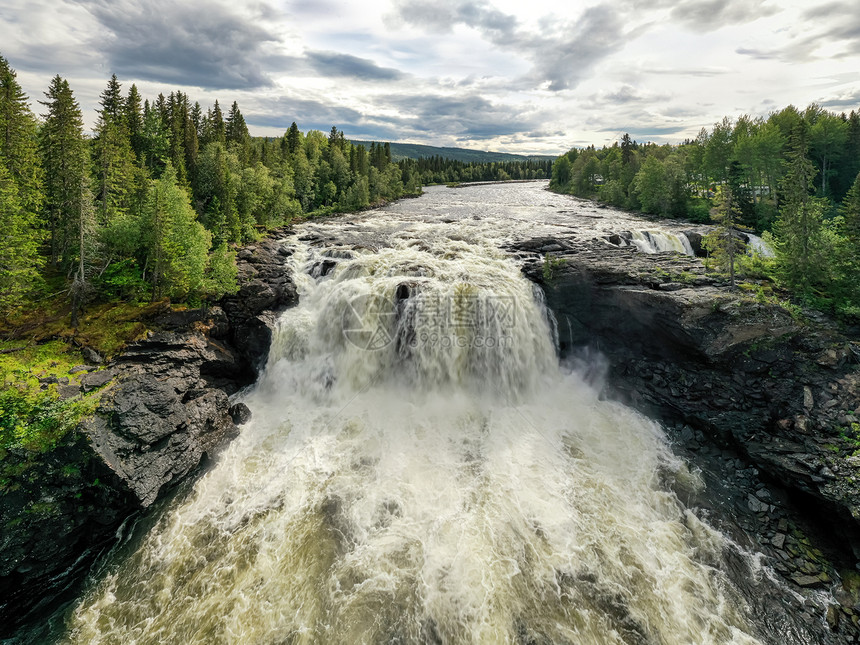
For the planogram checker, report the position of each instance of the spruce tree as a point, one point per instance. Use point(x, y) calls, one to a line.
point(19, 143)
point(294, 138)
point(235, 127)
point(133, 113)
point(798, 230)
point(723, 243)
point(850, 211)
point(20, 193)
point(64, 160)
point(113, 157)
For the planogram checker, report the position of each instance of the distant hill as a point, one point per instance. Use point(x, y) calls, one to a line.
point(416, 151)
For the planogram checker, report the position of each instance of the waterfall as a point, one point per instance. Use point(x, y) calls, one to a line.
point(419, 468)
point(653, 241)
point(757, 245)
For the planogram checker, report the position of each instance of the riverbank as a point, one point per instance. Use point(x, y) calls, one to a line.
point(163, 412)
point(762, 396)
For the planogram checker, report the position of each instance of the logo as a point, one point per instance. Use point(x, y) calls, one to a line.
point(373, 322)
point(368, 322)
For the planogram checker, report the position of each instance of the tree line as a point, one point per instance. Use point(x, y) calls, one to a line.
point(793, 177)
point(440, 170)
point(151, 203)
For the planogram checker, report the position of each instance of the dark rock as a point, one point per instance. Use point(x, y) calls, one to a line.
point(806, 581)
point(92, 356)
point(95, 380)
point(68, 391)
point(82, 368)
point(240, 413)
point(729, 366)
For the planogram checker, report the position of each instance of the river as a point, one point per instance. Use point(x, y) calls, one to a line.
point(420, 468)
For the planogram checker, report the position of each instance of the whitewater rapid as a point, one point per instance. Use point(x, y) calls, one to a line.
point(420, 469)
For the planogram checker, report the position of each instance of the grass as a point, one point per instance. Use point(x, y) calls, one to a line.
point(38, 349)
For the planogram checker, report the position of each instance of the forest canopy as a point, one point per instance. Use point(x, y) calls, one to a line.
point(793, 177)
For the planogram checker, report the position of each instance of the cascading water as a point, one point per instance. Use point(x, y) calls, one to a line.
point(660, 242)
point(419, 469)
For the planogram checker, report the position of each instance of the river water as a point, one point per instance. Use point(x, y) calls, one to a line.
point(420, 469)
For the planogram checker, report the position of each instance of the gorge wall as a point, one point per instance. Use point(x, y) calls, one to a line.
point(164, 409)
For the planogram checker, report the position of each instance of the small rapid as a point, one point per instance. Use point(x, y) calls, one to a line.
point(420, 469)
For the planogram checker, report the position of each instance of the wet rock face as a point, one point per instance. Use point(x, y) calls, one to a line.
point(766, 404)
point(743, 371)
point(266, 288)
point(161, 417)
point(164, 410)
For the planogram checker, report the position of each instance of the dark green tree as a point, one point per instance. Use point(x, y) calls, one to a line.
point(64, 159)
point(113, 157)
point(798, 231)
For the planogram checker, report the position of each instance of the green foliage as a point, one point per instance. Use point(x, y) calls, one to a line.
point(36, 421)
point(123, 280)
point(177, 243)
point(699, 210)
point(551, 267)
point(18, 247)
point(32, 417)
point(221, 273)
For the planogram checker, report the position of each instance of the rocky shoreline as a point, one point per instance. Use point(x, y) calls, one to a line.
point(165, 410)
point(763, 399)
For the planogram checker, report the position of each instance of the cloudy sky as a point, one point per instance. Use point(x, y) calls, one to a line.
point(538, 76)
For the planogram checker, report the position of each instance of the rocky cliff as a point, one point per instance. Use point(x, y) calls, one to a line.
point(762, 396)
point(164, 409)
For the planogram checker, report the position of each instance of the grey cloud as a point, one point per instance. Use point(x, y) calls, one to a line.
point(307, 113)
point(624, 94)
point(328, 64)
point(758, 54)
point(847, 101)
point(703, 72)
point(827, 10)
point(832, 24)
point(709, 15)
point(645, 131)
point(161, 41)
point(332, 64)
point(470, 117)
point(561, 57)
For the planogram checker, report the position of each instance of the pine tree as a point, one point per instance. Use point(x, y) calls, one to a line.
point(19, 143)
point(294, 138)
point(723, 243)
point(216, 128)
point(850, 211)
point(18, 246)
point(64, 160)
point(798, 231)
point(133, 115)
point(113, 157)
point(20, 193)
point(235, 128)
